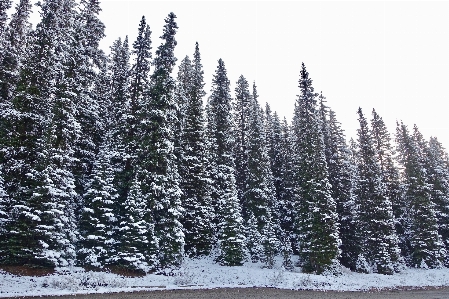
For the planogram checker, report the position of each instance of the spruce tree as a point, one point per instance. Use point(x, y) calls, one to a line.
point(195, 185)
point(438, 172)
point(424, 245)
point(5, 5)
point(390, 180)
point(338, 157)
point(379, 243)
point(164, 186)
point(241, 110)
point(98, 217)
point(86, 59)
point(231, 241)
point(13, 40)
point(45, 131)
point(259, 195)
point(316, 223)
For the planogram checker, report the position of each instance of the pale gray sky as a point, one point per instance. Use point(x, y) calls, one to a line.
point(389, 55)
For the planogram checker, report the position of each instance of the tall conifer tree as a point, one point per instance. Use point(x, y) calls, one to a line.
point(195, 185)
point(316, 222)
point(231, 241)
point(379, 244)
point(164, 187)
point(422, 238)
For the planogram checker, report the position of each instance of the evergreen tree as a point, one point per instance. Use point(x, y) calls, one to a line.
point(98, 218)
point(338, 158)
point(164, 186)
point(241, 109)
point(316, 223)
point(424, 245)
point(86, 59)
point(231, 241)
point(195, 185)
point(390, 179)
point(14, 38)
point(253, 239)
point(258, 198)
point(5, 5)
point(117, 111)
point(438, 172)
point(286, 187)
point(379, 243)
point(348, 211)
point(44, 133)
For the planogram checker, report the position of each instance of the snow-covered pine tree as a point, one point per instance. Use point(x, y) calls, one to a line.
point(42, 190)
point(86, 59)
point(13, 41)
point(116, 117)
point(5, 5)
point(195, 185)
point(316, 223)
point(138, 245)
point(96, 246)
point(339, 166)
point(391, 181)
point(253, 239)
point(241, 111)
point(425, 248)
point(184, 81)
point(375, 221)
point(259, 195)
point(137, 251)
point(438, 172)
point(348, 211)
point(164, 187)
point(231, 241)
point(13, 37)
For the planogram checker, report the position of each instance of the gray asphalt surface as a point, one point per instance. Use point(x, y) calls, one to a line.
point(265, 293)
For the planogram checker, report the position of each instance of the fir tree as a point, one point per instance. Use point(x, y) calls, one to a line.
point(164, 187)
point(194, 180)
point(45, 132)
point(258, 198)
point(14, 44)
point(338, 157)
point(422, 238)
point(5, 5)
point(379, 244)
point(438, 172)
point(86, 59)
point(316, 223)
point(98, 218)
point(241, 110)
point(231, 241)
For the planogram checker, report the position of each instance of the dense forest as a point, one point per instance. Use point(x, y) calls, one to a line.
point(117, 161)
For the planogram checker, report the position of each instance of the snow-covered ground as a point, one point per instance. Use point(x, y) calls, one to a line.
point(204, 273)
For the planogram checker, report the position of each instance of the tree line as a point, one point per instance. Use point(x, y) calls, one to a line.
point(110, 161)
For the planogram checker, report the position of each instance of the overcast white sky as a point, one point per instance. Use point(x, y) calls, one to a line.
point(391, 56)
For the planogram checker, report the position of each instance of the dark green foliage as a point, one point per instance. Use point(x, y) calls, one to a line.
point(196, 200)
point(424, 246)
point(316, 223)
point(231, 241)
point(338, 158)
point(375, 220)
point(242, 113)
point(259, 195)
point(438, 173)
point(163, 186)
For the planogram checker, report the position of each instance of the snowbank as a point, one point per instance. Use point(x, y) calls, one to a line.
point(204, 273)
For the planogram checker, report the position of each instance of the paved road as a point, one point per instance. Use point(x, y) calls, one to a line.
point(265, 293)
